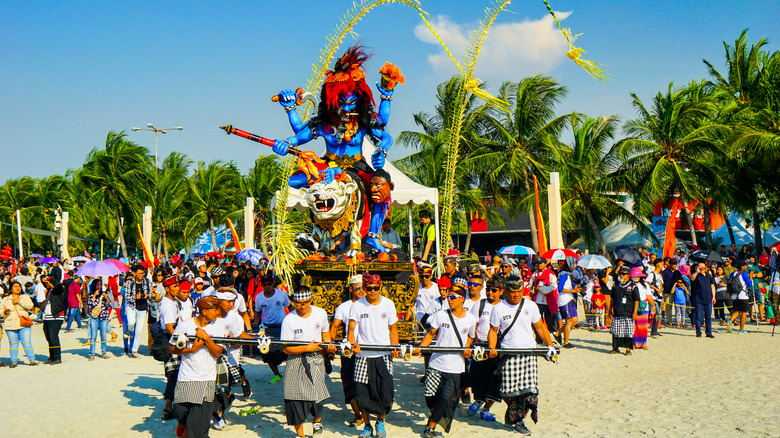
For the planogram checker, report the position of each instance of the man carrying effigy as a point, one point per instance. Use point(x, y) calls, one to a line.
point(511, 327)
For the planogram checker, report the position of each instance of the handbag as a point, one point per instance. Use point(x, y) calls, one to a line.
point(24, 321)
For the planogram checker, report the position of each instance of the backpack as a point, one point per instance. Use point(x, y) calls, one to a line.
point(733, 286)
point(160, 347)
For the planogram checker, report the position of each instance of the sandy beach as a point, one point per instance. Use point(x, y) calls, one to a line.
point(681, 386)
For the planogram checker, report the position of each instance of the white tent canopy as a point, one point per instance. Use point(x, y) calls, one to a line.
point(741, 235)
point(771, 236)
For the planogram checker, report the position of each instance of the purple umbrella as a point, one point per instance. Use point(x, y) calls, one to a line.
point(35, 256)
point(49, 259)
point(97, 269)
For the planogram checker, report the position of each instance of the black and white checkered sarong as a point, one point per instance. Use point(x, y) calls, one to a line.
point(361, 368)
point(226, 373)
point(172, 364)
point(519, 376)
point(298, 385)
point(432, 381)
point(194, 392)
point(622, 327)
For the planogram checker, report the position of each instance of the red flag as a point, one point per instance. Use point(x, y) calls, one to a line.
point(670, 240)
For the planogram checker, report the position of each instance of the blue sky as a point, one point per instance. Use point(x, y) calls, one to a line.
point(72, 71)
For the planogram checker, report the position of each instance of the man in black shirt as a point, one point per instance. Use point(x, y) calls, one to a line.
point(702, 299)
point(623, 308)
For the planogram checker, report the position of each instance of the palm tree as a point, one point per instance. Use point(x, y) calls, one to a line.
point(428, 165)
point(670, 149)
point(261, 183)
point(515, 151)
point(753, 111)
point(588, 175)
point(170, 194)
point(117, 176)
point(215, 194)
point(15, 194)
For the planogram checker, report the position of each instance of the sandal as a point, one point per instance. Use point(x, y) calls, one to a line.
point(628, 352)
point(614, 352)
point(106, 356)
point(356, 422)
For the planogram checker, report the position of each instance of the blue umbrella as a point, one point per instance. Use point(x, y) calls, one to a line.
point(197, 254)
point(516, 250)
point(252, 255)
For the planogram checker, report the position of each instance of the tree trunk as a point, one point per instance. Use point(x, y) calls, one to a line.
point(595, 229)
point(121, 234)
point(707, 225)
point(165, 243)
point(534, 231)
point(757, 231)
point(468, 236)
point(159, 244)
point(213, 234)
point(731, 232)
point(689, 219)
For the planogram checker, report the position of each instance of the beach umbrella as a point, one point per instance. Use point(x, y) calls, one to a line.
point(49, 260)
point(593, 261)
point(215, 254)
point(706, 254)
point(629, 255)
point(197, 254)
point(119, 265)
point(79, 259)
point(252, 255)
point(559, 254)
point(516, 250)
point(35, 256)
point(97, 269)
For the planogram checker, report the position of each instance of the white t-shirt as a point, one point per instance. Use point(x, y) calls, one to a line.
point(272, 308)
point(239, 306)
point(468, 304)
point(311, 328)
point(521, 335)
point(446, 337)
point(435, 306)
point(424, 298)
point(186, 311)
point(483, 320)
point(564, 297)
point(342, 314)
point(169, 312)
point(40, 292)
point(199, 366)
point(373, 324)
point(644, 291)
point(774, 282)
point(235, 326)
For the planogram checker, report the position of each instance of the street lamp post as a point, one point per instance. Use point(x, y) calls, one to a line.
point(156, 131)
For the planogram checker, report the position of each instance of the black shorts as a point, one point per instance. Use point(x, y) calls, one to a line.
point(741, 306)
point(296, 410)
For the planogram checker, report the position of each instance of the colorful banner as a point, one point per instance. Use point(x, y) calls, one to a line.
point(541, 236)
point(236, 242)
point(670, 240)
point(147, 252)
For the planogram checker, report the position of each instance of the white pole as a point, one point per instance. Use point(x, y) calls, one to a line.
point(64, 236)
point(249, 223)
point(19, 232)
point(146, 224)
point(554, 208)
point(411, 232)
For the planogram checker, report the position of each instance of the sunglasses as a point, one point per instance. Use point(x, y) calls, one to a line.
point(474, 284)
point(495, 289)
point(453, 297)
point(372, 288)
point(426, 276)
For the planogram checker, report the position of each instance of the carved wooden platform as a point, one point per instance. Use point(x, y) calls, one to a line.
point(329, 282)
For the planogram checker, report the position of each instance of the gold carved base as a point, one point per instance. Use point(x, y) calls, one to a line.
point(329, 282)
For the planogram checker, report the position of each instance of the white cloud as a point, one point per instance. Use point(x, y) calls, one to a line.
point(510, 52)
